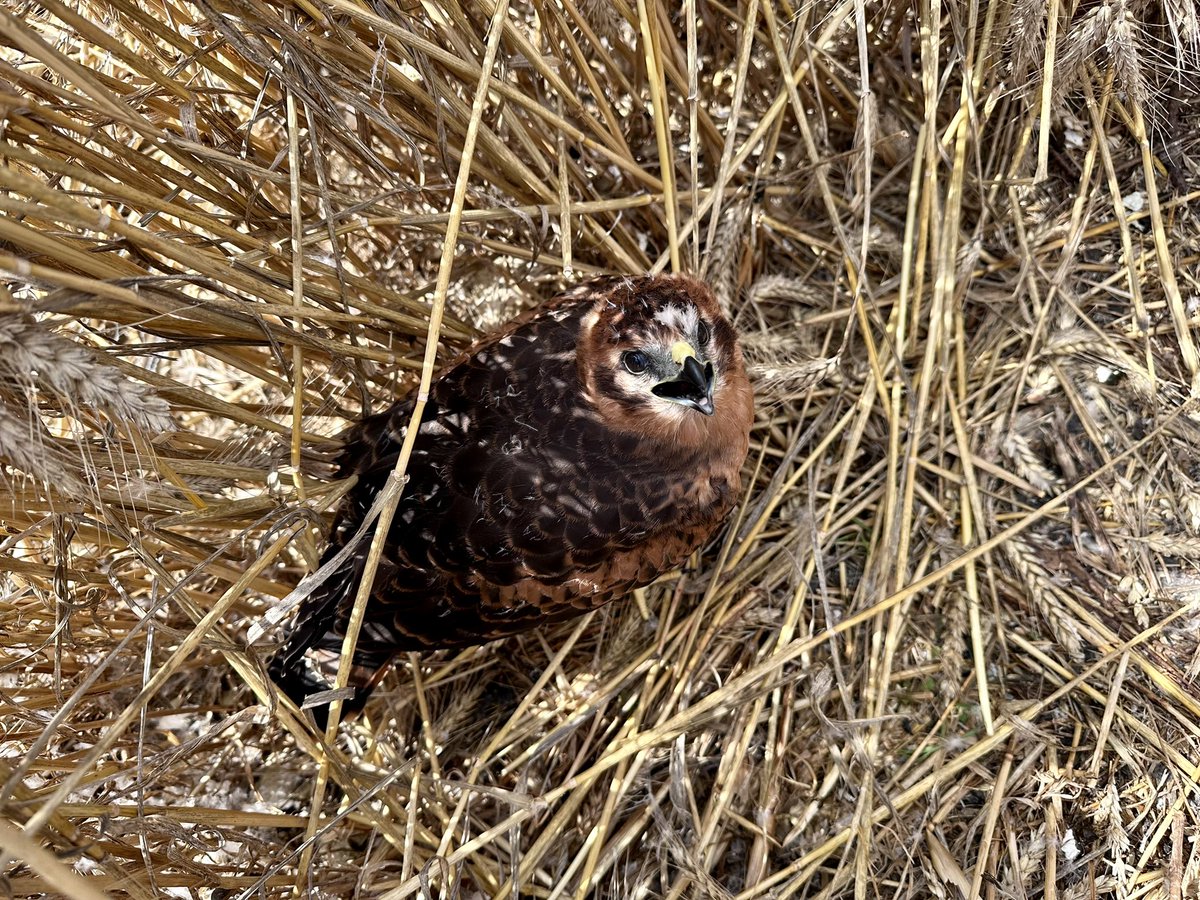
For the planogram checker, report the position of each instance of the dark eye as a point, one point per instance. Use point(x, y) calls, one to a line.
point(635, 361)
point(703, 333)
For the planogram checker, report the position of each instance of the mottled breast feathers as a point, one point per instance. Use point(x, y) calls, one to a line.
point(546, 479)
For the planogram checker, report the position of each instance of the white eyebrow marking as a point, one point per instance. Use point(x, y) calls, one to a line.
point(683, 319)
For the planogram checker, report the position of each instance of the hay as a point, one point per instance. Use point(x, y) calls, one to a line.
point(947, 647)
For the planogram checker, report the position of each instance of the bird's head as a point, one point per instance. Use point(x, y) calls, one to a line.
point(668, 364)
point(657, 356)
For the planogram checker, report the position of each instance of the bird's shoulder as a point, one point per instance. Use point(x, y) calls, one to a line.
point(495, 386)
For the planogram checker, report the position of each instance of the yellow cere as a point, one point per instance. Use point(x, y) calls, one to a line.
point(680, 351)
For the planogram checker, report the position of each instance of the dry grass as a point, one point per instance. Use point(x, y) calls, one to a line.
point(948, 647)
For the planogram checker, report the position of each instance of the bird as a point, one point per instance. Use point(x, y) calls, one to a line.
point(581, 451)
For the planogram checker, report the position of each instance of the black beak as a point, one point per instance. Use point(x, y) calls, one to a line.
point(693, 387)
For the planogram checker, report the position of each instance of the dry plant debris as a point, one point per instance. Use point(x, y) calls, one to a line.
point(946, 649)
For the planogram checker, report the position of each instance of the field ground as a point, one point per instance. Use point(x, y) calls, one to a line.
point(948, 647)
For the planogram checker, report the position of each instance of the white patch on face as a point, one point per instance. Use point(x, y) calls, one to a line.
point(673, 414)
point(628, 383)
point(683, 320)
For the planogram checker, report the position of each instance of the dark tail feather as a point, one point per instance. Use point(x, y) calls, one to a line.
point(368, 452)
point(319, 625)
point(299, 681)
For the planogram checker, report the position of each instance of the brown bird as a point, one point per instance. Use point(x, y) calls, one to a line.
point(580, 452)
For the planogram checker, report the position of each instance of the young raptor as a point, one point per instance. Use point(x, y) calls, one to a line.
point(580, 452)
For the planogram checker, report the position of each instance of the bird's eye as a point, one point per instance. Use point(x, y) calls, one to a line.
point(635, 361)
point(703, 333)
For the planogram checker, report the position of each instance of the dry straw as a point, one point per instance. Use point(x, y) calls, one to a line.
point(947, 645)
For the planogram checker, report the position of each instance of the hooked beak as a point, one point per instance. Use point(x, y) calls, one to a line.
point(693, 387)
